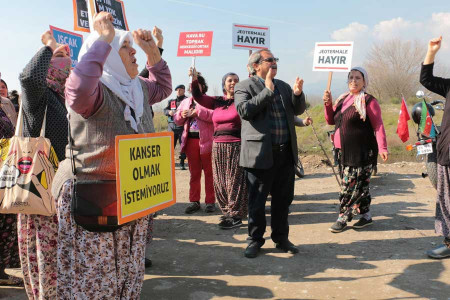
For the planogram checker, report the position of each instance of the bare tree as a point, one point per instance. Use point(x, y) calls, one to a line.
point(394, 68)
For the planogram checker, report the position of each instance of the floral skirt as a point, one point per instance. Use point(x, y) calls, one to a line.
point(9, 250)
point(355, 196)
point(230, 183)
point(99, 265)
point(442, 221)
point(38, 236)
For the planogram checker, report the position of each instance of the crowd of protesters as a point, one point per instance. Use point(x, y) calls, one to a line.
point(244, 141)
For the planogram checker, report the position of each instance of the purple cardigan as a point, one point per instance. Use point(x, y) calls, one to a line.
point(84, 93)
point(204, 121)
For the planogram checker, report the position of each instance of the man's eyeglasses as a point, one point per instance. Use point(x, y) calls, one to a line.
point(270, 59)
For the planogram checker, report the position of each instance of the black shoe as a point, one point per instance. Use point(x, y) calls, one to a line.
point(183, 167)
point(230, 223)
point(362, 223)
point(210, 208)
point(338, 227)
point(253, 248)
point(148, 263)
point(192, 208)
point(287, 246)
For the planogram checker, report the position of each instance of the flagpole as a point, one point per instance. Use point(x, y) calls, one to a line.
point(403, 98)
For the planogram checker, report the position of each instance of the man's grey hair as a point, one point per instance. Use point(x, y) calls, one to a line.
point(255, 58)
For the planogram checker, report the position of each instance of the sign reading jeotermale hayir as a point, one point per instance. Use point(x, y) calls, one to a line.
point(145, 174)
point(250, 37)
point(333, 56)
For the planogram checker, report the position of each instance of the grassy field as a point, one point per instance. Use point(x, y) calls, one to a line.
point(308, 144)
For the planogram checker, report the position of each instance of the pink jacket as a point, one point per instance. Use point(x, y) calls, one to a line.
point(204, 121)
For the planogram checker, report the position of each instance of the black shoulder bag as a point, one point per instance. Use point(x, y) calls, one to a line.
point(94, 202)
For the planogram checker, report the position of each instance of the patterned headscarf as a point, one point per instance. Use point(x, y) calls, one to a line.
point(360, 100)
point(58, 71)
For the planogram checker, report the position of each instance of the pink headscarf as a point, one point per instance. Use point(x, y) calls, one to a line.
point(58, 71)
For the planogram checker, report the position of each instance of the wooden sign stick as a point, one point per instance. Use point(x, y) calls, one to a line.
point(330, 77)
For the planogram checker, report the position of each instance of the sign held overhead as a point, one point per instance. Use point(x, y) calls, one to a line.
point(250, 37)
point(333, 56)
point(81, 13)
point(116, 9)
point(80, 16)
point(72, 39)
point(195, 43)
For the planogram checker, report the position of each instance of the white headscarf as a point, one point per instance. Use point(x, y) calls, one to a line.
point(360, 100)
point(116, 78)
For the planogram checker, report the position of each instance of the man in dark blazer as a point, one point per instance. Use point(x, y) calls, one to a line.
point(269, 147)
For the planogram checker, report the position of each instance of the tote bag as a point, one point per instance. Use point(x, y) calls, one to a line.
point(27, 172)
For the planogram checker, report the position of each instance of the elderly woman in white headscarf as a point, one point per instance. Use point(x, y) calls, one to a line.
point(359, 137)
point(105, 97)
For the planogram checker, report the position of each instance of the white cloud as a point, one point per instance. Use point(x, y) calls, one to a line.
point(352, 32)
point(440, 23)
point(396, 28)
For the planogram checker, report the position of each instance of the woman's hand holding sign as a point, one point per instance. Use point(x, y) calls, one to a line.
point(104, 26)
point(327, 98)
point(143, 38)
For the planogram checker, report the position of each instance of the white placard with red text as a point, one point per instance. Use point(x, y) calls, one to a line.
point(333, 56)
point(250, 37)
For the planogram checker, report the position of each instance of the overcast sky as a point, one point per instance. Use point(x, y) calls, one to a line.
point(295, 27)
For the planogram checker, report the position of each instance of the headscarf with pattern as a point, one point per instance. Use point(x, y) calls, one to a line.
point(58, 71)
point(360, 99)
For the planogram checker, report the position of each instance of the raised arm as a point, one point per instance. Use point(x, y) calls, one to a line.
point(435, 84)
point(159, 80)
point(33, 79)
point(202, 99)
point(84, 93)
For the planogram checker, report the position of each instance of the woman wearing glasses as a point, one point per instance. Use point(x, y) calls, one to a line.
point(359, 137)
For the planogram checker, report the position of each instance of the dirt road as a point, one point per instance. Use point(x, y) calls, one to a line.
point(194, 259)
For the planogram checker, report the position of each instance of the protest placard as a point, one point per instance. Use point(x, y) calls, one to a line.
point(250, 37)
point(333, 56)
point(115, 7)
point(145, 174)
point(195, 43)
point(74, 40)
point(80, 16)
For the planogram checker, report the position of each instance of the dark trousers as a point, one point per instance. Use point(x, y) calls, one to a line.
point(177, 133)
point(279, 182)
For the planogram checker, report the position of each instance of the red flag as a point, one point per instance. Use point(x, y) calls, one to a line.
point(402, 126)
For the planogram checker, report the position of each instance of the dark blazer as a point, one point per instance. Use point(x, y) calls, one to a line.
point(253, 100)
